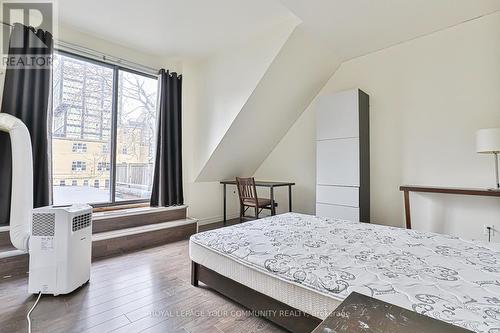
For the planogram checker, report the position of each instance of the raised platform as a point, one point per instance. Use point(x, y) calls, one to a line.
point(114, 233)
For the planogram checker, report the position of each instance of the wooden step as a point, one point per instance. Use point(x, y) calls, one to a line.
point(131, 239)
point(104, 244)
point(135, 217)
point(4, 238)
point(13, 262)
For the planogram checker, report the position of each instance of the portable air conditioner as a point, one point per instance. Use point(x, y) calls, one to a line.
point(60, 249)
point(58, 239)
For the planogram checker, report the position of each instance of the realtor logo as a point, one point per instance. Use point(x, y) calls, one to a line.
point(22, 46)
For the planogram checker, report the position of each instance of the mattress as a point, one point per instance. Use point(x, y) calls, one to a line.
point(313, 263)
point(306, 300)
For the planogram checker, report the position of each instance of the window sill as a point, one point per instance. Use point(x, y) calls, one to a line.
point(119, 207)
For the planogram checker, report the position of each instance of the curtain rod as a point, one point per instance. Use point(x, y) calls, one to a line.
point(100, 55)
point(66, 46)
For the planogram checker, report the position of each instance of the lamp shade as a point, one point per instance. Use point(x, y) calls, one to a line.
point(488, 140)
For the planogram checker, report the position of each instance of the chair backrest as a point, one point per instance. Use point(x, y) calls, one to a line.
point(246, 188)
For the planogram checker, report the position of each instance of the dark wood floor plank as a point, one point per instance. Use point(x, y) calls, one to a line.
point(185, 312)
point(87, 318)
point(109, 325)
point(216, 316)
point(79, 308)
point(130, 305)
point(187, 297)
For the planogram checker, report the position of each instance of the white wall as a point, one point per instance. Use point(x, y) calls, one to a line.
point(204, 199)
point(428, 97)
point(294, 159)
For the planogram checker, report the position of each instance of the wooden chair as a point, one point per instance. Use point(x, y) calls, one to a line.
point(248, 198)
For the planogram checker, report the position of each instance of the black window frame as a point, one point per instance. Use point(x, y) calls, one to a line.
point(114, 124)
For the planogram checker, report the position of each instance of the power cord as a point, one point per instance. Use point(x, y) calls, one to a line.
point(31, 310)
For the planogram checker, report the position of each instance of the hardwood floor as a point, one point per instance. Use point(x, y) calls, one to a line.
point(146, 291)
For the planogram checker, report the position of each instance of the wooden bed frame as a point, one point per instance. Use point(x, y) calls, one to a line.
point(293, 320)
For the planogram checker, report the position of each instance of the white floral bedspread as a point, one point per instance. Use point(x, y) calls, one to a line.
point(443, 277)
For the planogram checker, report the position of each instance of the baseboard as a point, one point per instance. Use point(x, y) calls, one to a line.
point(215, 219)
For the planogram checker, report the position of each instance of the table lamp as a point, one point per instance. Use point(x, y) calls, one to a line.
point(488, 142)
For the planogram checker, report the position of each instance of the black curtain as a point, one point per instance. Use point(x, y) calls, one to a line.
point(26, 96)
point(167, 184)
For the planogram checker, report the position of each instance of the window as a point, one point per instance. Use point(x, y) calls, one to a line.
point(79, 147)
point(136, 125)
point(103, 125)
point(103, 166)
point(78, 166)
point(74, 183)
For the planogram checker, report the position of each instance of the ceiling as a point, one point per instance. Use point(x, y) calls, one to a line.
point(173, 28)
point(352, 28)
point(196, 28)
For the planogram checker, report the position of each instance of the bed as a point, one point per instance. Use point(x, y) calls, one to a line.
point(295, 269)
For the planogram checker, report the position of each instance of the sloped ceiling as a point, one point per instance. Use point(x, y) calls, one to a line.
point(351, 28)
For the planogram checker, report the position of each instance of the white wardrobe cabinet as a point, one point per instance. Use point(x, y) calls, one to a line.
point(343, 156)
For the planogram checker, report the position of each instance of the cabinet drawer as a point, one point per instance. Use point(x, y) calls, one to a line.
point(340, 212)
point(338, 195)
point(338, 162)
point(337, 115)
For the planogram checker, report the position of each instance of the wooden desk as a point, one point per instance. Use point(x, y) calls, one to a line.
point(258, 183)
point(446, 190)
point(360, 313)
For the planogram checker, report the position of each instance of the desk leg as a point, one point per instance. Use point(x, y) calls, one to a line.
point(273, 209)
point(224, 204)
point(407, 209)
point(289, 198)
